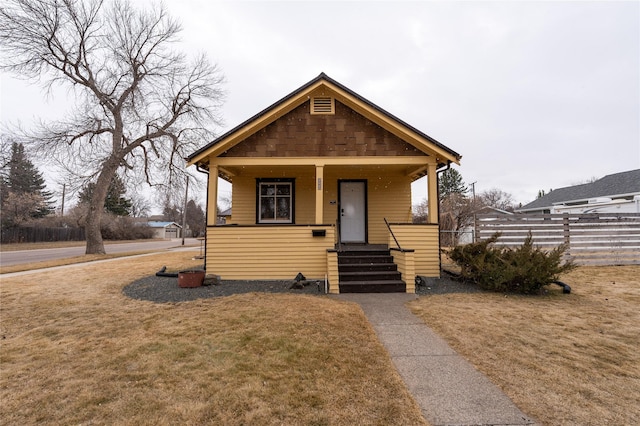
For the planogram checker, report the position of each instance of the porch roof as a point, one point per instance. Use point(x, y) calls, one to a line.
point(324, 83)
point(229, 167)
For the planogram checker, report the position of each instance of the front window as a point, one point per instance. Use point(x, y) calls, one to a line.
point(275, 201)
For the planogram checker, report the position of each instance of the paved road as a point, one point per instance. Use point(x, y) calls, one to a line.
point(9, 258)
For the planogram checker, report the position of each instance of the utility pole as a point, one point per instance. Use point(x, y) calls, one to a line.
point(184, 210)
point(473, 189)
point(64, 187)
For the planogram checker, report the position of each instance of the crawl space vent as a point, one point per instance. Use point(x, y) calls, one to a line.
point(322, 105)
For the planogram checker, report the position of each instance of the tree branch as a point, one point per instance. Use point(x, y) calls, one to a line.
point(140, 105)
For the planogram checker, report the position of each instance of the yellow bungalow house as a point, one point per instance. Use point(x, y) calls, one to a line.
point(321, 184)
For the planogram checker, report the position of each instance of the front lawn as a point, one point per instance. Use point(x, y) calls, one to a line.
point(564, 359)
point(75, 350)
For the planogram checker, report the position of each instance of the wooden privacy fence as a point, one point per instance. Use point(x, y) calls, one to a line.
point(592, 239)
point(37, 235)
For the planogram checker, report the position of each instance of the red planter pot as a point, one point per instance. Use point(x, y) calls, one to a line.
point(189, 279)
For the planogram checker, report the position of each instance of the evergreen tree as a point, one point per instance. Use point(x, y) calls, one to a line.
point(195, 217)
point(451, 182)
point(455, 207)
point(172, 213)
point(4, 188)
point(542, 192)
point(196, 220)
point(22, 179)
point(5, 158)
point(115, 202)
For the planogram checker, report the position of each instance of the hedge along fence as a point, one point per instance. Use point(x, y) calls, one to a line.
point(592, 239)
point(38, 235)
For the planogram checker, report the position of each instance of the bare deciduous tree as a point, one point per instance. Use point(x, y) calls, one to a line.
point(19, 208)
point(456, 212)
point(497, 198)
point(141, 106)
point(420, 212)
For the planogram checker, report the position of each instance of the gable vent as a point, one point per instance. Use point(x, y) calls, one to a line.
point(322, 105)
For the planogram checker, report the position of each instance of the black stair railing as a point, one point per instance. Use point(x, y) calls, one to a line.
point(392, 234)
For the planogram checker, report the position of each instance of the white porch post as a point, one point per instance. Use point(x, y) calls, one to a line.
point(212, 195)
point(432, 193)
point(319, 195)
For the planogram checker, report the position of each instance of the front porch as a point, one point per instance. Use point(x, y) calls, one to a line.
point(256, 252)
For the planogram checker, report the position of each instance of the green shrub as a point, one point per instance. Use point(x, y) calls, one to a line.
point(525, 269)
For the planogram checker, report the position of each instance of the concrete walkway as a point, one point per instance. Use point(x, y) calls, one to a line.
point(449, 390)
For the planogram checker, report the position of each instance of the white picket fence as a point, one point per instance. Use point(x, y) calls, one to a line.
point(592, 239)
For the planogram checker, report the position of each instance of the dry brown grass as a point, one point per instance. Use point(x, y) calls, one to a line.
point(85, 258)
point(76, 351)
point(564, 359)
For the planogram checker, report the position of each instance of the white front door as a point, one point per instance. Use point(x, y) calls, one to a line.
point(353, 212)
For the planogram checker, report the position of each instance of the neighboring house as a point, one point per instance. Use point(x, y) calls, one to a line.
point(314, 176)
point(616, 193)
point(165, 229)
point(224, 217)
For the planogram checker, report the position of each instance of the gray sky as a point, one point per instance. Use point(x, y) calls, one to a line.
point(534, 95)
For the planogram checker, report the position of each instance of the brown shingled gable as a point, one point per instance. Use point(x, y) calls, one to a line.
point(301, 134)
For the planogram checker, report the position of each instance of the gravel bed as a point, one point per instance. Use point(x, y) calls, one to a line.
point(166, 290)
point(446, 284)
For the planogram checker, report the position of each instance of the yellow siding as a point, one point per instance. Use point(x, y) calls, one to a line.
point(388, 196)
point(332, 272)
point(267, 252)
point(244, 196)
point(243, 200)
point(330, 208)
point(306, 199)
point(406, 266)
point(424, 240)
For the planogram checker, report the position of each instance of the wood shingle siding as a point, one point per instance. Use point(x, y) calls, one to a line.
point(299, 134)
